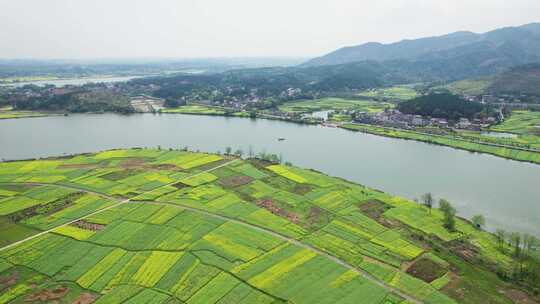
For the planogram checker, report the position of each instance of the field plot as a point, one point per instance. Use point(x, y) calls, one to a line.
point(339, 104)
point(521, 122)
point(157, 226)
point(392, 93)
point(196, 109)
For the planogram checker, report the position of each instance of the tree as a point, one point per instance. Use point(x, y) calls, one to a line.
point(228, 150)
point(239, 152)
point(250, 152)
point(500, 234)
point(427, 199)
point(449, 214)
point(515, 241)
point(478, 221)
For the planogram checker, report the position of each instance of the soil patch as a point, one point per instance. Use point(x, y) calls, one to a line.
point(260, 164)
point(375, 209)
point(464, 250)
point(235, 181)
point(426, 270)
point(85, 298)
point(302, 189)
point(518, 296)
point(133, 163)
point(47, 209)
point(9, 280)
point(272, 207)
point(88, 226)
point(48, 295)
point(454, 288)
point(317, 217)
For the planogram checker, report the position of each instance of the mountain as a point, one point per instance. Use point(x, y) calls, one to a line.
point(464, 54)
point(518, 80)
point(406, 49)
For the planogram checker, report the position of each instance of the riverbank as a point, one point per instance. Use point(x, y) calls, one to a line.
point(25, 114)
point(408, 168)
point(472, 145)
point(514, 150)
point(492, 149)
point(387, 238)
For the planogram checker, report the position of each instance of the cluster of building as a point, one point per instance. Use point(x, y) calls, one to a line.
point(396, 119)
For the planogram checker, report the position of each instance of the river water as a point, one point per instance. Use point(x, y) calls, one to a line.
point(72, 81)
point(506, 192)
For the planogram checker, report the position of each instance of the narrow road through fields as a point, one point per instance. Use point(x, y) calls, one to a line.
point(335, 259)
point(96, 193)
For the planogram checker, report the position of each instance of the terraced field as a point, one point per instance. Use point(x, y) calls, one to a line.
point(151, 226)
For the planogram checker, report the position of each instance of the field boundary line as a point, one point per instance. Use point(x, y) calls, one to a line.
point(290, 240)
point(97, 211)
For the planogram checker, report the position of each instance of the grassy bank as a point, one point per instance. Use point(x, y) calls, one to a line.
point(504, 152)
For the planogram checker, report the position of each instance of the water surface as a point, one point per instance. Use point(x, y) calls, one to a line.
point(72, 81)
point(506, 192)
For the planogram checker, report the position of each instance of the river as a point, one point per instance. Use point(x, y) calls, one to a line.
point(71, 81)
point(506, 192)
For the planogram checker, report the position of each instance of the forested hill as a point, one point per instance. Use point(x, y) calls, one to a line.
point(441, 106)
point(270, 82)
point(469, 54)
point(519, 80)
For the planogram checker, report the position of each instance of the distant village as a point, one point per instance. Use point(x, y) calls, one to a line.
point(396, 119)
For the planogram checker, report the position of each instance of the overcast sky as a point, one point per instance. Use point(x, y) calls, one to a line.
point(232, 28)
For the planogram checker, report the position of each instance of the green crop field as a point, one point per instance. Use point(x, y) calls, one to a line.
point(195, 109)
point(392, 93)
point(520, 122)
point(331, 103)
point(151, 226)
point(9, 113)
point(469, 144)
point(476, 86)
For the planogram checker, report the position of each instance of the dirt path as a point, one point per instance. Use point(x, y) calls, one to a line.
point(335, 259)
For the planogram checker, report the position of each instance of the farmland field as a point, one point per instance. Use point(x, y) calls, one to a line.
point(469, 144)
point(195, 109)
point(308, 106)
point(520, 122)
point(392, 93)
point(8, 113)
point(152, 226)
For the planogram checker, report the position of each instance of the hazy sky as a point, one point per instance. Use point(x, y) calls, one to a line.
point(216, 28)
